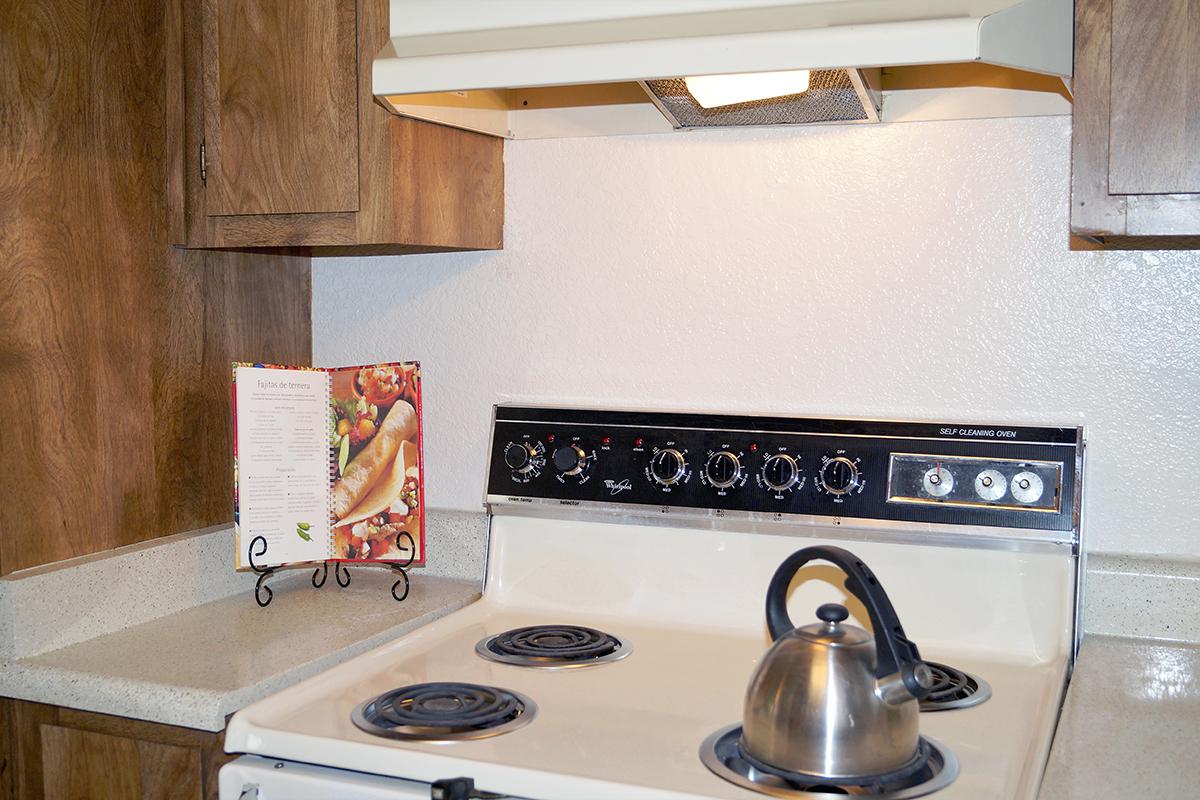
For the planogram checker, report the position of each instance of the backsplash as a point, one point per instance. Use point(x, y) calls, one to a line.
point(907, 270)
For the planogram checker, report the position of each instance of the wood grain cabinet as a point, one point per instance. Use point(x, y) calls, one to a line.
point(53, 753)
point(284, 145)
point(1136, 143)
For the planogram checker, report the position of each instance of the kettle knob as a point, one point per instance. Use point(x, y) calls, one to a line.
point(832, 613)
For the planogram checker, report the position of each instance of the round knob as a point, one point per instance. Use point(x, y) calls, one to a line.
point(519, 457)
point(832, 613)
point(938, 482)
point(780, 472)
point(570, 459)
point(723, 469)
point(839, 475)
point(991, 485)
point(667, 466)
point(1027, 487)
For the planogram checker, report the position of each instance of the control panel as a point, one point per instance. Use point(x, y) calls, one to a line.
point(1008, 476)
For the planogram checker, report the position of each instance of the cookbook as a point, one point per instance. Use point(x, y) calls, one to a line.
point(327, 464)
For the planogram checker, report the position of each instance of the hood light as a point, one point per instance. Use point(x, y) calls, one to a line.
point(712, 91)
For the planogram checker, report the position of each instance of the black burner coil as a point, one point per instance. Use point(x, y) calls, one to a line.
point(950, 685)
point(444, 706)
point(559, 643)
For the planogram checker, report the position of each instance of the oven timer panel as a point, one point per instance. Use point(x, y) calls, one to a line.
point(998, 483)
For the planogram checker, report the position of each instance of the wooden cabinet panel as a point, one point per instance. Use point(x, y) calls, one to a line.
point(53, 753)
point(1155, 140)
point(82, 764)
point(436, 188)
point(1125, 171)
point(114, 346)
point(281, 106)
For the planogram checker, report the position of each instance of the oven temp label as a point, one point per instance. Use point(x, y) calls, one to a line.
point(980, 433)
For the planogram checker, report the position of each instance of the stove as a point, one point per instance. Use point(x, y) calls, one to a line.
point(622, 614)
point(553, 647)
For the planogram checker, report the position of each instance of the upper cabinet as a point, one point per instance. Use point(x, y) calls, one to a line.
point(284, 145)
point(1136, 145)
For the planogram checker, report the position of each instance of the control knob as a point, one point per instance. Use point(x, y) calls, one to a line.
point(723, 469)
point(780, 472)
point(570, 459)
point(839, 475)
point(667, 466)
point(519, 457)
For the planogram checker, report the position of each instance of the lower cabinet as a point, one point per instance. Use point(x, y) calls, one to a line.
point(63, 754)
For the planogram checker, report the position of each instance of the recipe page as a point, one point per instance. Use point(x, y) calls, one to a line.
point(281, 460)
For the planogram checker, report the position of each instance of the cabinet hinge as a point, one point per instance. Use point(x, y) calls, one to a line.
point(203, 165)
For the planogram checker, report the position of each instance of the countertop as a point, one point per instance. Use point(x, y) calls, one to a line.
point(196, 666)
point(1131, 723)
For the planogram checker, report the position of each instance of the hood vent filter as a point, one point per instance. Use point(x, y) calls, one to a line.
point(834, 95)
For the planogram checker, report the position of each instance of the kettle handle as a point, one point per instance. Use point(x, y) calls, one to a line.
point(893, 650)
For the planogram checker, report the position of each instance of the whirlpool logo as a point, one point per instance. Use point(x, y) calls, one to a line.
point(615, 487)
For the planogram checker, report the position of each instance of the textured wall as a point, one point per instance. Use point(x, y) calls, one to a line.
point(915, 270)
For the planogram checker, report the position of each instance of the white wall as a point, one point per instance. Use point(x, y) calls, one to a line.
point(909, 270)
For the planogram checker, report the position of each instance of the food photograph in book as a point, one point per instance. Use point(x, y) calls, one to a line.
point(377, 492)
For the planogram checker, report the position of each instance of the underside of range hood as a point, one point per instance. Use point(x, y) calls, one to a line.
point(583, 65)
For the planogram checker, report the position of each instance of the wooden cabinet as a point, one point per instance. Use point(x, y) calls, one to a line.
point(1135, 178)
point(55, 753)
point(284, 145)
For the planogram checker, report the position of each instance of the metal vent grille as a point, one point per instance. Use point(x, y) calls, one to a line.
point(832, 96)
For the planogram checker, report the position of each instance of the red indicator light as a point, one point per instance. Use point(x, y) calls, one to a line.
point(550, 438)
point(753, 448)
point(637, 442)
point(606, 440)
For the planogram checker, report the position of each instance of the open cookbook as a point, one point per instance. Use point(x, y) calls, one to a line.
point(327, 464)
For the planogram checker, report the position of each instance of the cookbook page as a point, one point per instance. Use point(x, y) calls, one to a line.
point(376, 497)
point(281, 463)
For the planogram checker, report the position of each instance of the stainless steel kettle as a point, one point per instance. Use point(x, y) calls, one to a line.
point(829, 699)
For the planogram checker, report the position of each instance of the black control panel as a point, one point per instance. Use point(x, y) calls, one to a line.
point(1008, 476)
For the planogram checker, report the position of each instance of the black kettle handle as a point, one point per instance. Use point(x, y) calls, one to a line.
point(894, 652)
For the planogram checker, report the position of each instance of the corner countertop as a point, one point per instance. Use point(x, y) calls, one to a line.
point(1129, 726)
point(195, 667)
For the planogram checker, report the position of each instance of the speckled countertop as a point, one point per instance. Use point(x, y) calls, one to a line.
point(196, 666)
point(1131, 723)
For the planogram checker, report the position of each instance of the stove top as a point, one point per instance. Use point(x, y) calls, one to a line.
point(440, 712)
point(663, 531)
point(553, 647)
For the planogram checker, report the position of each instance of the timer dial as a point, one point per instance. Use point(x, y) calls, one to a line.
point(839, 476)
point(667, 466)
point(990, 485)
point(519, 456)
point(938, 482)
point(780, 472)
point(1027, 487)
point(570, 459)
point(723, 469)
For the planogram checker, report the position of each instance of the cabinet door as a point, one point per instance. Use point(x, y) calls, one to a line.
point(78, 764)
point(280, 106)
point(1155, 140)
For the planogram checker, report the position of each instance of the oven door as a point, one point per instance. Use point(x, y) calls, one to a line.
point(256, 778)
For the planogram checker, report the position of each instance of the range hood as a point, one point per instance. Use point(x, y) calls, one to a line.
point(478, 63)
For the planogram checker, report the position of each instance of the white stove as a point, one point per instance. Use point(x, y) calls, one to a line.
point(657, 534)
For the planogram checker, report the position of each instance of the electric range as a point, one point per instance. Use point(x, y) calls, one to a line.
point(622, 612)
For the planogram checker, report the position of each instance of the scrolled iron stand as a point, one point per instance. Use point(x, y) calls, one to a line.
point(341, 574)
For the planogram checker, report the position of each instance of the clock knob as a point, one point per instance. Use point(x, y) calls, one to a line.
point(570, 459)
point(667, 466)
point(519, 457)
point(839, 475)
point(780, 472)
point(723, 469)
